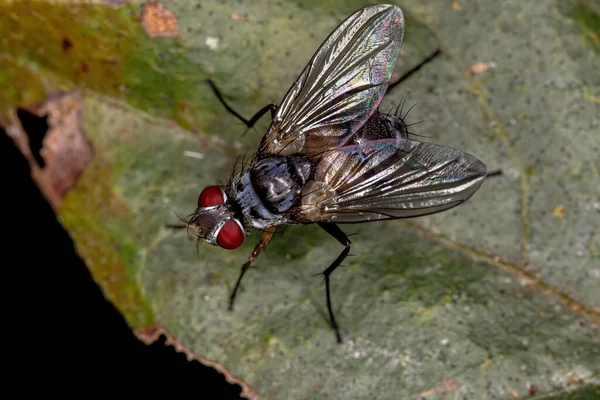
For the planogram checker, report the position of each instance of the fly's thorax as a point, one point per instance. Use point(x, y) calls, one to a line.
point(270, 189)
point(278, 181)
point(249, 203)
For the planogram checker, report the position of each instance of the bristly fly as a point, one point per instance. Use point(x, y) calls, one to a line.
point(330, 157)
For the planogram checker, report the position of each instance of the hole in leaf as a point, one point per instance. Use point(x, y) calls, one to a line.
point(36, 129)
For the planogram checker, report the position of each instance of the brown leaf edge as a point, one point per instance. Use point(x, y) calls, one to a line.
point(66, 151)
point(158, 20)
point(150, 335)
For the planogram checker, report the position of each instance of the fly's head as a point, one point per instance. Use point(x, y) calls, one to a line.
point(215, 220)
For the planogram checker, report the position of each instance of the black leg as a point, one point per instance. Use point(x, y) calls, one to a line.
point(237, 284)
point(341, 237)
point(249, 123)
point(497, 172)
point(413, 70)
point(264, 240)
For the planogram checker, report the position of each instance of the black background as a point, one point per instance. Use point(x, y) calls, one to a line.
point(61, 334)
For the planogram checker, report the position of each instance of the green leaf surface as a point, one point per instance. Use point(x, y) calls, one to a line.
point(482, 301)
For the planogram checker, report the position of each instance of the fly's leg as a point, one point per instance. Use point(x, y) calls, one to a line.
point(497, 172)
point(341, 237)
point(249, 123)
point(413, 70)
point(264, 240)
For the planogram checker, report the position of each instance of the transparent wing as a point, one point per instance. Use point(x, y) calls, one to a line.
point(390, 178)
point(341, 86)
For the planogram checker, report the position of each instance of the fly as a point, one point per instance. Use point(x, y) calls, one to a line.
point(330, 157)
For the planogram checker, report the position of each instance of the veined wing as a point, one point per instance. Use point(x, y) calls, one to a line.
point(341, 86)
point(390, 178)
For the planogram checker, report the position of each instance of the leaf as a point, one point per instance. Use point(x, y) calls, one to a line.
point(486, 300)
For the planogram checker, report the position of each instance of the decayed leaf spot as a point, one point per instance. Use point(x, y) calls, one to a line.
point(532, 390)
point(559, 211)
point(159, 21)
point(446, 386)
point(514, 394)
point(66, 44)
point(486, 363)
point(591, 97)
point(480, 67)
point(152, 334)
point(50, 135)
point(574, 380)
point(239, 16)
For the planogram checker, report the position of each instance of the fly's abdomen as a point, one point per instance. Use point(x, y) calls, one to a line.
point(278, 181)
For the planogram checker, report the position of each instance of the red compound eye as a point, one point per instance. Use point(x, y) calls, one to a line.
point(231, 235)
point(211, 196)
